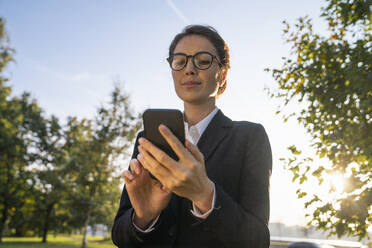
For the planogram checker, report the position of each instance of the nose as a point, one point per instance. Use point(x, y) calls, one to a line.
point(190, 68)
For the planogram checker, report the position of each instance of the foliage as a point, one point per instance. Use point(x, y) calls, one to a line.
point(48, 177)
point(94, 148)
point(55, 177)
point(331, 76)
point(18, 117)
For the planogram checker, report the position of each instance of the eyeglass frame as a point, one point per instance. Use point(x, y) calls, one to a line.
point(214, 57)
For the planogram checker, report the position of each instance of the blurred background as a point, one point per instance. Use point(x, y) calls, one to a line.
point(79, 61)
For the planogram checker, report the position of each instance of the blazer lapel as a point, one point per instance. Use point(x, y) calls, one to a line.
point(213, 135)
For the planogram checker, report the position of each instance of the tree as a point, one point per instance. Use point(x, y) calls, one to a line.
point(17, 135)
point(54, 177)
point(5, 57)
point(17, 129)
point(94, 147)
point(331, 77)
point(48, 176)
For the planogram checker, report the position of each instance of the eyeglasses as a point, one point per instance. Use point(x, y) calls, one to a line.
point(201, 60)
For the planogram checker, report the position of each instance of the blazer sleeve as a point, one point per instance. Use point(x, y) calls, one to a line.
point(244, 222)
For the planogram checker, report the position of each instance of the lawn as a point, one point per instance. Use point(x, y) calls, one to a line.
point(73, 241)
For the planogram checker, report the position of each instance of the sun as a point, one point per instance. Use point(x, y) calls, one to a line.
point(334, 186)
point(337, 181)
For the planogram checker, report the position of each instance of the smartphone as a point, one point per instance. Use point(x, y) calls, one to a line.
point(172, 118)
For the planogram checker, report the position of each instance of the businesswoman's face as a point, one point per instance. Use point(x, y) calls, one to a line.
point(199, 80)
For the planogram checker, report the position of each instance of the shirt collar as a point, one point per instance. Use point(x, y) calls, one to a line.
point(203, 124)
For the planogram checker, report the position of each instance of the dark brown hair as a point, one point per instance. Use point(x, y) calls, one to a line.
point(212, 35)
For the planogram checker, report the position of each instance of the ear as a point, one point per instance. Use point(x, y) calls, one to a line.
point(223, 76)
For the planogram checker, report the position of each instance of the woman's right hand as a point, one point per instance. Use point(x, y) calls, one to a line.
point(148, 196)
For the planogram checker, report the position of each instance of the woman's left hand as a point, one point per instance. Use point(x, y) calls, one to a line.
point(186, 177)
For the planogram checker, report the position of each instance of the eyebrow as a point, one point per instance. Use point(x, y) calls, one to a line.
point(194, 53)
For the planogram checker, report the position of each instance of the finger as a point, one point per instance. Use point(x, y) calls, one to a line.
point(194, 150)
point(152, 165)
point(128, 176)
point(173, 141)
point(160, 156)
point(135, 166)
point(165, 189)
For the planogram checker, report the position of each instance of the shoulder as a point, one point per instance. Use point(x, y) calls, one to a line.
point(225, 121)
point(247, 126)
point(249, 132)
point(242, 129)
point(140, 134)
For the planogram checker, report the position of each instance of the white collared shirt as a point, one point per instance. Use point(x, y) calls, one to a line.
point(190, 132)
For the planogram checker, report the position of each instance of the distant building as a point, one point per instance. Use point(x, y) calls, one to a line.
point(282, 234)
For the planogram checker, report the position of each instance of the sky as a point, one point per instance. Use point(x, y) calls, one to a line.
point(70, 53)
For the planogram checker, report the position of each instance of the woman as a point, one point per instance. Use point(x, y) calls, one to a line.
point(217, 194)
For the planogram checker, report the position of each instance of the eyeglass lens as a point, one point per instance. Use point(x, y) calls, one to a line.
point(201, 61)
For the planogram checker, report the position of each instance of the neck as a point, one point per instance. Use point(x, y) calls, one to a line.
point(196, 113)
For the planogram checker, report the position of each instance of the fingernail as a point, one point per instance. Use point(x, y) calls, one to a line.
point(139, 156)
point(140, 140)
point(162, 127)
point(134, 163)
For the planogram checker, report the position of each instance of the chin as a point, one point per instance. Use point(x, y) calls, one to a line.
point(195, 100)
point(188, 97)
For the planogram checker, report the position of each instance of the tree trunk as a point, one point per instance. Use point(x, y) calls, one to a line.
point(94, 230)
point(3, 220)
point(85, 230)
point(46, 222)
point(19, 230)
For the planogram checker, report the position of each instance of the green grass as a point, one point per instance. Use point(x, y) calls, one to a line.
point(73, 241)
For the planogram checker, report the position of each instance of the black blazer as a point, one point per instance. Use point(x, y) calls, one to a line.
point(238, 160)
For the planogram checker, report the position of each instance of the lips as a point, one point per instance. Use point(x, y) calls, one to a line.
point(191, 83)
